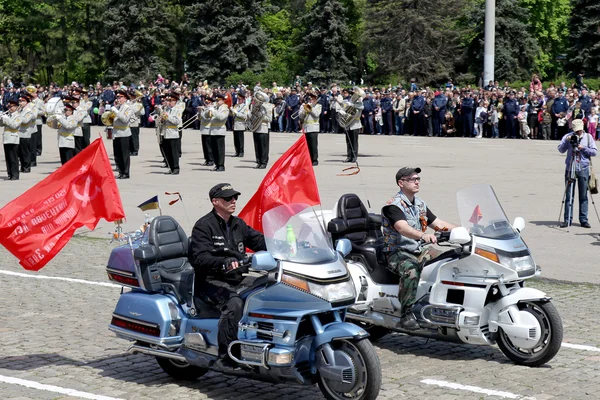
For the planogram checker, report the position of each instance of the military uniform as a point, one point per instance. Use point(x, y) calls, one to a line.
point(86, 106)
point(217, 135)
point(205, 117)
point(10, 139)
point(240, 113)
point(180, 106)
point(311, 129)
point(134, 140)
point(261, 139)
point(79, 114)
point(354, 129)
point(66, 135)
point(26, 129)
point(171, 123)
point(36, 137)
point(121, 134)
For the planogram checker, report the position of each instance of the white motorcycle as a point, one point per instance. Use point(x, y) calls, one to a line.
point(473, 292)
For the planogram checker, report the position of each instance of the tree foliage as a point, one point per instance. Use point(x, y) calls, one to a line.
point(325, 43)
point(415, 38)
point(225, 37)
point(516, 47)
point(584, 38)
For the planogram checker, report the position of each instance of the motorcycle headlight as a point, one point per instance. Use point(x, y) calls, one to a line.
point(523, 265)
point(333, 292)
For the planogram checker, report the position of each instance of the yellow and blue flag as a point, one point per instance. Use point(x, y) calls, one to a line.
point(150, 204)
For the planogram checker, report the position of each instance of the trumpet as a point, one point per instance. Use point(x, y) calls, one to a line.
point(307, 109)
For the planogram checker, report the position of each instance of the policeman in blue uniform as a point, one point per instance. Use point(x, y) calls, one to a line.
point(367, 114)
point(293, 104)
point(560, 105)
point(387, 113)
point(511, 111)
point(417, 106)
point(467, 106)
point(439, 112)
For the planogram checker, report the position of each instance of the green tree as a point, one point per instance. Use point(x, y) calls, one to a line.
point(516, 47)
point(325, 42)
point(224, 37)
point(584, 38)
point(549, 24)
point(141, 41)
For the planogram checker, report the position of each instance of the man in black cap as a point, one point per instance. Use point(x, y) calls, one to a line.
point(218, 131)
point(405, 218)
point(11, 122)
point(25, 131)
point(122, 132)
point(218, 244)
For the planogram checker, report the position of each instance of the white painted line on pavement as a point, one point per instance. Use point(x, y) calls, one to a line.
point(58, 278)
point(580, 347)
point(475, 389)
point(56, 389)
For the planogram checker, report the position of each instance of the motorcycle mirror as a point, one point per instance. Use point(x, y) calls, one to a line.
point(344, 247)
point(519, 224)
point(460, 235)
point(263, 261)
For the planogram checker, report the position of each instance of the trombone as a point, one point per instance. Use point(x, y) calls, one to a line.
point(307, 109)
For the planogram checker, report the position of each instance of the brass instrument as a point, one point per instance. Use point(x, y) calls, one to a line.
point(307, 109)
point(108, 118)
point(258, 112)
point(52, 122)
point(138, 96)
point(348, 114)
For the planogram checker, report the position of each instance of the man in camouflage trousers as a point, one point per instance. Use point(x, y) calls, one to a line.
point(405, 218)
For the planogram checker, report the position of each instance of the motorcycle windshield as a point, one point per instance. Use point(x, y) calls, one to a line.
point(293, 232)
point(481, 213)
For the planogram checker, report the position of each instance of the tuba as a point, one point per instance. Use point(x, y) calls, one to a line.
point(350, 114)
point(258, 112)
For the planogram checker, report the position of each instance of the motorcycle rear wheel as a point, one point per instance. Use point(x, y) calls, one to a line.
point(367, 370)
point(180, 370)
point(550, 341)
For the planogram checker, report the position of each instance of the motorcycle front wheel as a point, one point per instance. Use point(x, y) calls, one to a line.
point(181, 371)
point(367, 371)
point(550, 341)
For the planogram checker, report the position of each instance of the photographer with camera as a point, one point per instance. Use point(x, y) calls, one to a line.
point(579, 146)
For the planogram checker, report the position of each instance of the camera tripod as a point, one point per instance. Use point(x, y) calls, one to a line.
point(571, 179)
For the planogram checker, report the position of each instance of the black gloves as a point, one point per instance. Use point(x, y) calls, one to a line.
point(228, 262)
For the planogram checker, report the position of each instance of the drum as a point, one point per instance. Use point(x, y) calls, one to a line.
point(54, 106)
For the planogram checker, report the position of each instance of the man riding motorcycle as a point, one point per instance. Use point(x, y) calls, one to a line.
point(405, 219)
point(219, 242)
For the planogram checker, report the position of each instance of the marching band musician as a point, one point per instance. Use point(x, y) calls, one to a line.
point(205, 116)
point(86, 105)
point(67, 126)
point(137, 112)
point(171, 120)
point(240, 113)
point(79, 114)
point(309, 115)
point(11, 122)
point(180, 108)
point(218, 131)
point(121, 133)
point(25, 131)
point(36, 137)
point(261, 139)
point(354, 128)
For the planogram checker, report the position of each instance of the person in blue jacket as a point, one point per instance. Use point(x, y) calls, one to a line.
point(417, 106)
point(560, 105)
point(387, 113)
point(367, 114)
point(439, 112)
point(293, 104)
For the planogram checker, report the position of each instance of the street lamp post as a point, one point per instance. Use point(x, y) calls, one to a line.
point(488, 46)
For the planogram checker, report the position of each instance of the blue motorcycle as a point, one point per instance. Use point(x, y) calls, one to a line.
point(292, 330)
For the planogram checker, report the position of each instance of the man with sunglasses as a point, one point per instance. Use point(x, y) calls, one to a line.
point(405, 219)
point(218, 244)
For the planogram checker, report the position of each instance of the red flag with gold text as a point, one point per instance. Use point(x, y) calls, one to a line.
point(35, 226)
point(290, 180)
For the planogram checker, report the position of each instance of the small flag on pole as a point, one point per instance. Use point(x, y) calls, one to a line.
point(174, 194)
point(150, 204)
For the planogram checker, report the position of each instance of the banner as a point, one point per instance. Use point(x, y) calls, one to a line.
point(290, 180)
point(35, 226)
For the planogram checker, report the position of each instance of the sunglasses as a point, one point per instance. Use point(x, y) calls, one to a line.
point(415, 179)
point(229, 198)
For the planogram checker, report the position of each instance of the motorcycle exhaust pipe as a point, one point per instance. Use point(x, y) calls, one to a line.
point(135, 349)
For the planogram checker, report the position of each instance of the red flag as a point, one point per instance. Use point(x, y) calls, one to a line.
point(476, 216)
point(35, 226)
point(290, 180)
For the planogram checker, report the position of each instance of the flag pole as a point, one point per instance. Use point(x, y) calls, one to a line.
point(159, 209)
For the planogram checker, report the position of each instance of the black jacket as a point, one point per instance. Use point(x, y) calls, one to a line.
point(211, 244)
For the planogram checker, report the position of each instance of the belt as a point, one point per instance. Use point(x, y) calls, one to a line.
point(123, 127)
point(171, 127)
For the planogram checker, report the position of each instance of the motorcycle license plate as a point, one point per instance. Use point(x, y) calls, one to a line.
point(251, 353)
